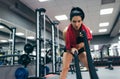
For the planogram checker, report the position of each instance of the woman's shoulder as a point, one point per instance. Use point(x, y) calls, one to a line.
point(65, 29)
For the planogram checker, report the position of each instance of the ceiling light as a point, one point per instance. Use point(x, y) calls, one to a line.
point(3, 40)
point(104, 24)
point(1, 26)
point(106, 11)
point(30, 37)
point(19, 33)
point(61, 17)
point(102, 30)
point(43, 0)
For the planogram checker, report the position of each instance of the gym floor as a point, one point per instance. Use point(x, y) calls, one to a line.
point(102, 72)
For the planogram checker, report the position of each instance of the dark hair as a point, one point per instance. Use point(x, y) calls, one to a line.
point(76, 11)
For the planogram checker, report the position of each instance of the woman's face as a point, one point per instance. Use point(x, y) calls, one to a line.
point(76, 22)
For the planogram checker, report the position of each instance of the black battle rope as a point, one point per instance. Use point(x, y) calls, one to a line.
point(92, 71)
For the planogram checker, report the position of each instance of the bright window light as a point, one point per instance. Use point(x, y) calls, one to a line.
point(43, 0)
point(91, 49)
point(91, 31)
point(96, 47)
point(19, 34)
point(106, 11)
point(61, 17)
point(102, 30)
point(118, 42)
point(30, 37)
point(34, 53)
point(10, 40)
point(3, 40)
point(113, 45)
point(119, 37)
point(1, 26)
point(104, 24)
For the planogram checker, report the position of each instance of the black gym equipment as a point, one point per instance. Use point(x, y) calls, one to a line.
point(54, 45)
point(28, 48)
point(24, 60)
point(48, 56)
point(45, 70)
point(22, 72)
point(13, 30)
point(110, 67)
point(40, 23)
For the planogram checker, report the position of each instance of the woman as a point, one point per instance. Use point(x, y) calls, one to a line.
point(74, 40)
